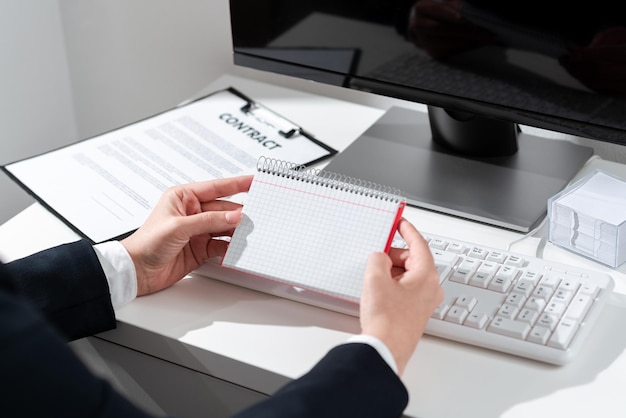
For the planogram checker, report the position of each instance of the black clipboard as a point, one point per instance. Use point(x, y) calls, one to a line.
point(285, 127)
point(57, 181)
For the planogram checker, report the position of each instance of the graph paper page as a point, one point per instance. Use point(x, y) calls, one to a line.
point(310, 235)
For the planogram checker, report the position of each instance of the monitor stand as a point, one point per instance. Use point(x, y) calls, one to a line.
point(508, 192)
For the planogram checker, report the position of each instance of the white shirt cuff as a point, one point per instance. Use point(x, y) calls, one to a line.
point(119, 271)
point(382, 349)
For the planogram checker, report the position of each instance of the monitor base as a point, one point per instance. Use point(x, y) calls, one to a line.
point(508, 192)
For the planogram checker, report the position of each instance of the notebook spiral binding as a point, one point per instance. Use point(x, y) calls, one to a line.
point(328, 179)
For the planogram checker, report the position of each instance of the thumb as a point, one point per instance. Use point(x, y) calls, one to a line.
point(210, 222)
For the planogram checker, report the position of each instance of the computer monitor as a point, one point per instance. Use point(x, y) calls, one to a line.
point(482, 68)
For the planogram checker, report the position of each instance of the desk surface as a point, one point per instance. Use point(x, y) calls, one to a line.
point(261, 341)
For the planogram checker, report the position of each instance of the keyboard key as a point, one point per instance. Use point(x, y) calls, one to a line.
point(555, 308)
point(515, 260)
point(477, 252)
point(528, 316)
point(539, 335)
point(563, 333)
point(550, 282)
point(535, 304)
point(467, 302)
point(515, 299)
point(500, 284)
point(461, 276)
point(542, 292)
point(445, 258)
point(456, 314)
point(496, 256)
point(569, 284)
point(439, 244)
point(508, 311)
point(489, 267)
point(590, 289)
point(524, 286)
point(476, 320)
point(548, 321)
point(509, 327)
point(579, 307)
point(508, 272)
point(440, 311)
point(457, 247)
point(563, 295)
point(480, 279)
point(532, 277)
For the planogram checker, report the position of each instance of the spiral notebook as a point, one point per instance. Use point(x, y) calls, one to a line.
point(312, 229)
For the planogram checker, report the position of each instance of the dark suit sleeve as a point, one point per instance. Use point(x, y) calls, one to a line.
point(44, 378)
point(41, 375)
point(67, 284)
point(352, 380)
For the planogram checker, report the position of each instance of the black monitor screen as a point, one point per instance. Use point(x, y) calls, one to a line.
point(481, 66)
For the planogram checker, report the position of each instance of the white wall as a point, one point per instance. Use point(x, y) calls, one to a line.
point(36, 109)
point(72, 69)
point(130, 59)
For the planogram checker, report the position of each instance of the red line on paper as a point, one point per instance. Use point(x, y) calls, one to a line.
point(326, 197)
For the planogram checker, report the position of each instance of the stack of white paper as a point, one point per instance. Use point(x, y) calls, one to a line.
point(589, 218)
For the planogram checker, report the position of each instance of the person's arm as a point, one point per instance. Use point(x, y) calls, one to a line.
point(42, 376)
point(400, 292)
point(119, 271)
point(67, 284)
point(352, 380)
point(183, 231)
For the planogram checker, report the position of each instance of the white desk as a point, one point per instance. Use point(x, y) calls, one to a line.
point(257, 341)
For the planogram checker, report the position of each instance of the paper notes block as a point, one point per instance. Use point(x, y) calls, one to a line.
point(589, 218)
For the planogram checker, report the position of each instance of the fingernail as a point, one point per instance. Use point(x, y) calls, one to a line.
point(234, 216)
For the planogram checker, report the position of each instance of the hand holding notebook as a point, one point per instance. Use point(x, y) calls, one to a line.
point(312, 229)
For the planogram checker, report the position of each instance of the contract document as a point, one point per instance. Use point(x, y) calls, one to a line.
point(104, 187)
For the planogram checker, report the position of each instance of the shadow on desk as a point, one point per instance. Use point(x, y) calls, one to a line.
point(260, 342)
point(242, 336)
point(453, 380)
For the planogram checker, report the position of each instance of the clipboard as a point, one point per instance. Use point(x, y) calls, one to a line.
point(283, 126)
point(104, 187)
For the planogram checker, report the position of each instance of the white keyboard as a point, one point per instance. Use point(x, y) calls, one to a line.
point(494, 299)
point(514, 303)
